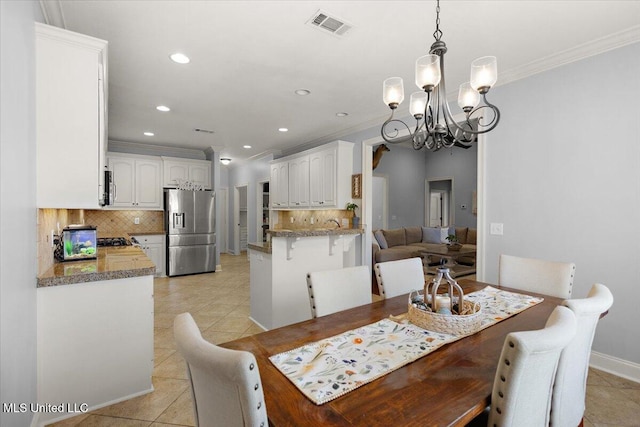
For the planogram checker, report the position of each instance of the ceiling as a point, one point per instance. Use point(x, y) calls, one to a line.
point(249, 57)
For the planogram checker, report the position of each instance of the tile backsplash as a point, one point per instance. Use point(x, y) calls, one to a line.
point(301, 219)
point(108, 222)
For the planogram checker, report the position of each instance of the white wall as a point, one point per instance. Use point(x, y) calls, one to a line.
point(17, 208)
point(247, 174)
point(563, 175)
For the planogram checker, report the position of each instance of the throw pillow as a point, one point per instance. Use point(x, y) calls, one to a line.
point(382, 242)
point(413, 234)
point(461, 234)
point(394, 237)
point(471, 236)
point(431, 235)
point(444, 233)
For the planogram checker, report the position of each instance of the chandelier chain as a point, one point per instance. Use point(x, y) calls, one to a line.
point(437, 34)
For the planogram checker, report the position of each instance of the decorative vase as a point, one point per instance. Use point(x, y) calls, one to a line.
point(356, 221)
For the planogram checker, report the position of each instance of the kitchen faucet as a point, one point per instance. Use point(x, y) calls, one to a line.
point(334, 220)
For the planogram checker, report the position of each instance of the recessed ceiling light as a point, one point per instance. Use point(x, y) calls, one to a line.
point(225, 160)
point(246, 146)
point(163, 108)
point(283, 130)
point(180, 58)
point(342, 114)
point(303, 92)
point(149, 133)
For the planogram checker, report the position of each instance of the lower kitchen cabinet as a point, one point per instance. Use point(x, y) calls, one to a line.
point(153, 245)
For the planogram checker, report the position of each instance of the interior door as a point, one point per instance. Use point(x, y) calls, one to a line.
point(435, 210)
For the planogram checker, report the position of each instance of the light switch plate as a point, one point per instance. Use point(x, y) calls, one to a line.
point(496, 228)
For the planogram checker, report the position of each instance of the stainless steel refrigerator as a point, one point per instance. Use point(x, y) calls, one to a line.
point(191, 225)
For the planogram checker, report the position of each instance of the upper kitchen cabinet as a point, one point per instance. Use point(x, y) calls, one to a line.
point(136, 181)
point(299, 182)
point(279, 185)
point(177, 171)
point(317, 178)
point(71, 118)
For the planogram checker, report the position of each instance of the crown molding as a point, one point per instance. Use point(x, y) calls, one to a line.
point(52, 12)
point(595, 47)
point(155, 150)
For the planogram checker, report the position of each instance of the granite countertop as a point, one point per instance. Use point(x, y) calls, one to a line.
point(260, 246)
point(116, 262)
point(311, 232)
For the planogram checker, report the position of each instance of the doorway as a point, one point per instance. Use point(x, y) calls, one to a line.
point(262, 211)
point(240, 219)
point(439, 200)
point(223, 199)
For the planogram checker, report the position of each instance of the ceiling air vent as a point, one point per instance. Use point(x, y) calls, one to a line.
point(203, 130)
point(330, 24)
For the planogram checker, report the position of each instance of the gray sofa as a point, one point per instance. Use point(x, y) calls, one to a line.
point(401, 243)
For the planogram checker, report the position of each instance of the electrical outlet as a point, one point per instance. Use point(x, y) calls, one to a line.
point(496, 228)
point(312, 221)
point(136, 220)
point(291, 220)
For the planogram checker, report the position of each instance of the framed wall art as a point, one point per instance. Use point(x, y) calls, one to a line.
point(356, 186)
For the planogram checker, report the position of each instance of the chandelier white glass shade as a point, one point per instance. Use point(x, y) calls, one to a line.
point(435, 127)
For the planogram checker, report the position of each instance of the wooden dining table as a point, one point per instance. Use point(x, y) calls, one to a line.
point(448, 387)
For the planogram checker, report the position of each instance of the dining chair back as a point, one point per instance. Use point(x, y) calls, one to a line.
point(536, 275)
point(399, 277)
point(336, 290)
point(521, 395)
point(569, 390)
point(225, 384)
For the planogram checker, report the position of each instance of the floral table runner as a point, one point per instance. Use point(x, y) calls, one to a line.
point(332, 367)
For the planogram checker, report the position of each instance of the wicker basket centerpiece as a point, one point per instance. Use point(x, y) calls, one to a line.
point(444, 313)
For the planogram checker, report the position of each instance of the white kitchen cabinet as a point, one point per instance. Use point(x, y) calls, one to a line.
point(137, 181)
point(279, 185)
point(71, 114)
point(153, 245)
point(177, 170)
point(317, 178)
point(299, 182)
point(322, 178)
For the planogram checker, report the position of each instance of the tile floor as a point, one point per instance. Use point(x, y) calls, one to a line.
point(219, 302)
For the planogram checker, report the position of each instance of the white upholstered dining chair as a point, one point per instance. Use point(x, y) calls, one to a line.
point(569, 390)
point(399, 277)
point(521, 395)
point(225, 384)
point(336, 290)
point(536, 275)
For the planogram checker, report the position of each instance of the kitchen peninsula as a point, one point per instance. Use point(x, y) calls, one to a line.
point(279, 269)
point(95, 329)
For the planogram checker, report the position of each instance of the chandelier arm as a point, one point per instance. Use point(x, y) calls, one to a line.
point(487, 127)
point(392, 136)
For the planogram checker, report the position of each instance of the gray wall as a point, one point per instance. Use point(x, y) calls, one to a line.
point(405, 169)
point(17, 208)
point(462, 165)
point(563, 175)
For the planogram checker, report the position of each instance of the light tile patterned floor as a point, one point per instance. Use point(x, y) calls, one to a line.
point(219, 302)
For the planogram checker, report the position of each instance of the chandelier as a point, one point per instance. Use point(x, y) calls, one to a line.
point(435, 127)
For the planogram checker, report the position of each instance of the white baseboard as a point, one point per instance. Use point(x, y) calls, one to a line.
point(36, 422)
point(257, 323)
point(613, 365)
